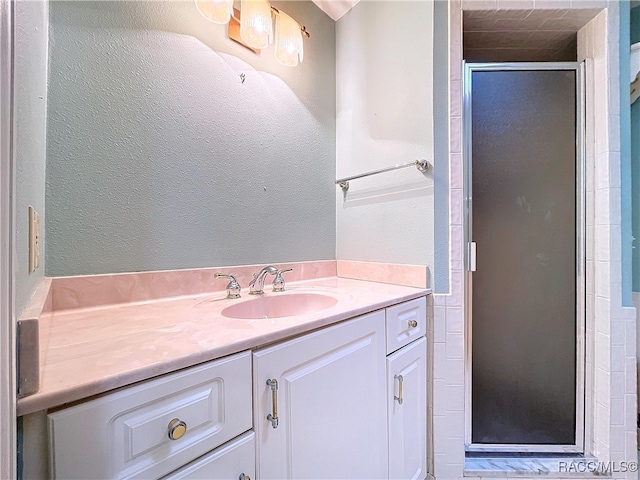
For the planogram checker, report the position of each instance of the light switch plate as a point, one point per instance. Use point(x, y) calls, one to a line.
point(34, 240)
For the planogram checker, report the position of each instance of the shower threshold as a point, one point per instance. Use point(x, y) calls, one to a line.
point(555, 465)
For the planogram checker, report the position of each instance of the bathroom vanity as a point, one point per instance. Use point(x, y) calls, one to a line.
point(343, 397)
point(334, 388)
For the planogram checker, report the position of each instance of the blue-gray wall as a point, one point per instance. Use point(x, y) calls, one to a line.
point(160, 157)
point(625, 155)
point(30, 96)
point(635, 159)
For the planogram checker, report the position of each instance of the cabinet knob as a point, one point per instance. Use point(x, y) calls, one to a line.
point(177, 429)
point(244, 477)
point(413, 323)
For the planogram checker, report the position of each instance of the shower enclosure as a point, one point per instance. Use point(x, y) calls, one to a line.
point(525, 261)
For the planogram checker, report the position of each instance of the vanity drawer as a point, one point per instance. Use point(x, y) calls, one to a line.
point(406, 322)
point(126, 434)
point(231, 460)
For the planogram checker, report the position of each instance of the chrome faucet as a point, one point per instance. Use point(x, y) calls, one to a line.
point(256, 286)
point(233, 287)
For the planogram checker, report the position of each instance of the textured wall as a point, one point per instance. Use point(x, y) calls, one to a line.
point(384, 117)
point(159, 157)
point(30, 70)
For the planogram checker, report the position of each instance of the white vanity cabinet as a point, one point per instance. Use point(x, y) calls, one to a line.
point(407, 411)
point(407, 389)
point(327, 407)
point(153, 428)
point(344, 402)
point(329, 404)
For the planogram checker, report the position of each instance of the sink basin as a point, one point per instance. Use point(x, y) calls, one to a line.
point(280, 305)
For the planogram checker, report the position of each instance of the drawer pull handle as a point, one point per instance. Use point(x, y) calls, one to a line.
point(413, 323)
point(273, 417)
point(400, 379)
point(244, 477)
point(177, 429)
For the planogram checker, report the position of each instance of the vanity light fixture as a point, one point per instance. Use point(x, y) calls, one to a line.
point(216, 11)
point(289, 48)
point(254, 22)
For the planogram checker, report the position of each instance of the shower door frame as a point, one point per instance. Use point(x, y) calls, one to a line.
point(578, 68)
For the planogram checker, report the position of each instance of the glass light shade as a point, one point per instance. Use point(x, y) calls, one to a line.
point(256, 26)
point(288, 40)
point(216, 11)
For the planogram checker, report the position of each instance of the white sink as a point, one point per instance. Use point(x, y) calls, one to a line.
point(280, 305)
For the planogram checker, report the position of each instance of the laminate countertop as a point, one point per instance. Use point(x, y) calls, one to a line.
point(89, 351)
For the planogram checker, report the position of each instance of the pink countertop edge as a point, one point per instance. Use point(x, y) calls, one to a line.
point(86, 352)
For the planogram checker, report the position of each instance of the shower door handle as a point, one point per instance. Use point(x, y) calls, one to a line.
point(472, 256)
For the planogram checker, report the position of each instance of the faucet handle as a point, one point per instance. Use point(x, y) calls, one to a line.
point(233, 287)
point(278, 283)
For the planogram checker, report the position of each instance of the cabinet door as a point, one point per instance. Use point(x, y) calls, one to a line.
point(407, 414)
point(330, 403)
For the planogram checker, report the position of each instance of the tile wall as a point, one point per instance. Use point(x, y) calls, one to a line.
point(610, 337)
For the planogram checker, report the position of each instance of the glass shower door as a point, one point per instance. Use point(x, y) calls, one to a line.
point(523, 204)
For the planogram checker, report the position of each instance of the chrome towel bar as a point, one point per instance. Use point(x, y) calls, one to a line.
point(421, 165)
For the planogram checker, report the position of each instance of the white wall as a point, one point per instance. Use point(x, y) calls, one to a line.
point(384, 117)
point(30, 96)
point(30, 105)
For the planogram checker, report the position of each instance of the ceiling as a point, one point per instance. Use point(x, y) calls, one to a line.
point(335, 8)
point(523, 35)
